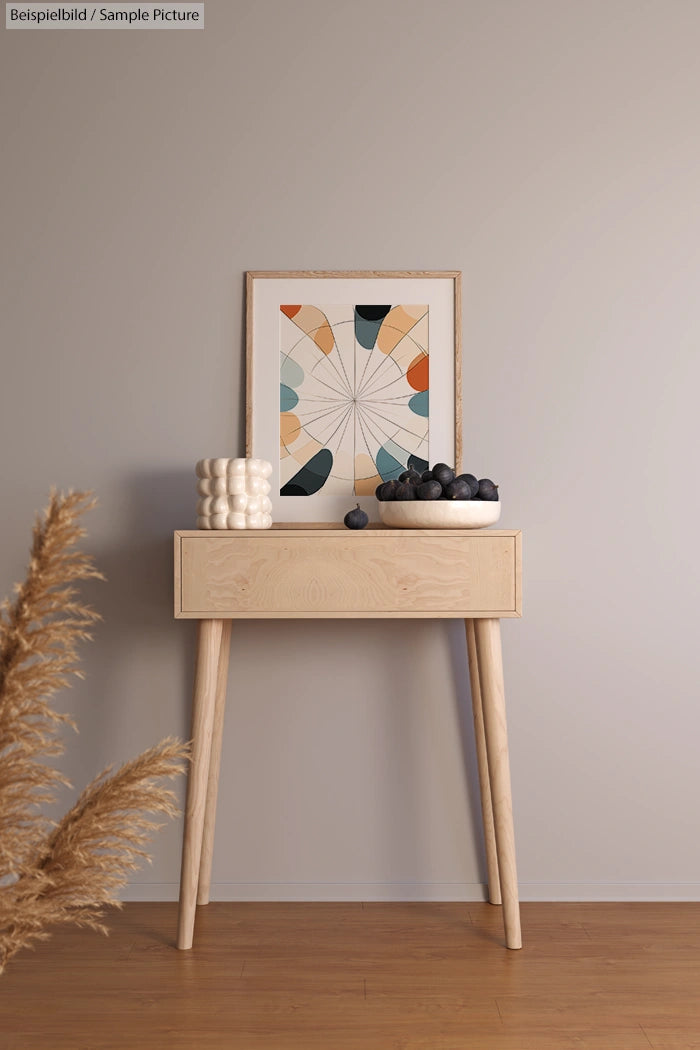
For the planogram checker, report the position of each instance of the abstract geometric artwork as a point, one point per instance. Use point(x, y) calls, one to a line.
point(343, 392)
point(354, 396)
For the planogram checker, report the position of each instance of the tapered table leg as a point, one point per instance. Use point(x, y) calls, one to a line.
point(494, 884)
point(214, 767)
point(203, 705)
point(490, 660)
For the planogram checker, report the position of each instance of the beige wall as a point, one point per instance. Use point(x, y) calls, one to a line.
point(550, 151)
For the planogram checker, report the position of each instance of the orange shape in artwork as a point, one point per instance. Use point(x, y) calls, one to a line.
point(290, 428)
point(290, 311)
point(417, 374)
point(323, 338)
point(367, 486)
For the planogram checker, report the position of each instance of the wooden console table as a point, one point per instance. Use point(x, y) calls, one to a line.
point(317, 572)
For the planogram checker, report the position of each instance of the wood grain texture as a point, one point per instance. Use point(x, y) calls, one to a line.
point(296, 528)
point(250, 278)
point(494, 883)
point(331, 572)
point(338, 573)
point(488, 647)
point(205, 864)
point(203, 707)
point(177, 575)
point(459, 451)
point(334, 274)
point(373, 977)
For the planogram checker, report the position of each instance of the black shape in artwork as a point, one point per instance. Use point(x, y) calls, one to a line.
point(311, 477)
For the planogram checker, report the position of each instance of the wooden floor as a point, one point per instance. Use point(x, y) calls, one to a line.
point(373, 976)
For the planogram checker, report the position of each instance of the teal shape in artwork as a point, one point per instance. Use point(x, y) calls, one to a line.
point(288, 398)
point(419, 403)
point(291, 373)
point(388, 466)
point(368, 321)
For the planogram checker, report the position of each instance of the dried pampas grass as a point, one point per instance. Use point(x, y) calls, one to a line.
point(69, 872)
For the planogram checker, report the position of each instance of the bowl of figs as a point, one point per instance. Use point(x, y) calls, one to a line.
point(438, 498)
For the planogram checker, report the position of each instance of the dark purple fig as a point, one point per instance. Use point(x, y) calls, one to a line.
point(429, 490)
point(355, 519)
point(427, 475)
point(385, 491)
point(410, 475)
point(487, 490)
point(471, 481)
point(405, 491)
point(443, 474)
point(458, 489)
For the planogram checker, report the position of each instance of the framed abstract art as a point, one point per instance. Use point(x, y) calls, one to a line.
point(351, 378)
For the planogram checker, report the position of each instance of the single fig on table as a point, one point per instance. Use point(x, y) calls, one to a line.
point(356, 519)
point(429, 490)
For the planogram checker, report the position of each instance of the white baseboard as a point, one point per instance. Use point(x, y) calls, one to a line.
point(432, 891)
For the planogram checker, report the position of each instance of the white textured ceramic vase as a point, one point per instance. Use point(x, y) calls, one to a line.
point(233, 494)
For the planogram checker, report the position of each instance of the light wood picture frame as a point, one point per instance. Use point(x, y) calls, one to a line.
point(343, 390)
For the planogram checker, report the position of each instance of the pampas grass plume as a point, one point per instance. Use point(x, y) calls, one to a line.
point(68, 872)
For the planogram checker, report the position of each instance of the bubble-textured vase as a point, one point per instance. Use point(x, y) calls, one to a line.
point(233, 494)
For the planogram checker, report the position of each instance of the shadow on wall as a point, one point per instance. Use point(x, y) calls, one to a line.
point(139, 650)
point(139, 567)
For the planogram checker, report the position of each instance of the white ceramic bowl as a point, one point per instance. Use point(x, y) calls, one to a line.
point(439, 514)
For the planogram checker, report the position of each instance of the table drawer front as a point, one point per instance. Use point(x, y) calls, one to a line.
point(391, 574)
